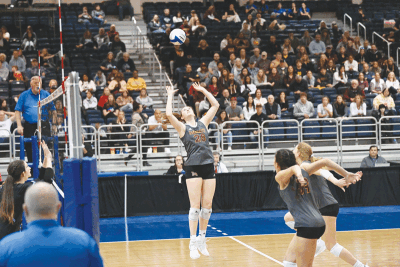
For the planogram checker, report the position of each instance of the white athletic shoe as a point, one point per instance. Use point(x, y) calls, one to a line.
point(320, 247)
point(202, 246)
point(194, 253)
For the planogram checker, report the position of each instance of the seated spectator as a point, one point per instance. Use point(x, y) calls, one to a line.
point(372, 159)
point(29, 40)
point(87, 41)
point(358, 108)
point(275, 79)
point(289, 77)
point(85, 17)
point(273, 47)
point(224, 42)
point(126, 64)
point(224, 100)
point(237, 69)
point(362, 82)
point(294, 42)
point(304, 12)
point(135, 83)
point(373, 54)
point(121, 132)
point(234, 112)
point(85, 84)
point(233, 86)
point(253, 70)
point(103, 98)
point(124, 102)
point(166, 19)
point(246, 30)
point(53, 85)
point(188, 77)
point(340, 78)
point(117, 84)
point(248, 88)
point(5, 33)
point(259, 99)
point(339, 108)
point(385, 99)
point(159, 131)
point(4, 72)
point(272, 109)
point(259, 117)
point(178, 61)
point(87, 148)
point(342, 56)
point(324, 79)
point(112, 32)
point(390, 67)
point(188, 48)
point(98, 15)
point(110, 108)
point(325, 110)
point(259, 23)
point(108, 64)
point(288, 45)
point(303, 109)
point(15, 75)
point(256, 56)
point(177, 168)
point(306, 39)
point(317, 47)
point(90, 102)
point(113, 74)
point(226, 131)
point(351, 65)
point(144, 100)
point(264, 63)
point(100, 79)
point(392, 83)
point(282, 101)
point(251, 8)
point(306, 63)
point(331, 54)
point(125, 5)
point(277, 61)
point(299, 86)
point(117, 45)
point(351, 48)
point(211, 14)
point(377, 84)
point(33, 70)
point(213, 65)
point(219, 167)
point(350, 93)
point(185, 27)
point(382, 115)
point(243, 57)
point(361, 58)
point(102, 39)
point(367, 73)
point(213, 86)
point(249, 108)
point(198, 29)
point(17, 61)
point(178, 19)
point(241, 42)
point(299, 70)
point(231, 14)
point(326, 38)
point(310, 79)
point(375, 68)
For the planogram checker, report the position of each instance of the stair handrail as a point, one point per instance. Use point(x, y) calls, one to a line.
point(359, 24)
point(351, 22)
point(388, 43)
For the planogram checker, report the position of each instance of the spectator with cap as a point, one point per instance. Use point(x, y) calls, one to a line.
point(259, 117)
point(126, 64)
point(350, 93)
point(234, 112)
point(219, 167)
point(45, 242)
point(264, 63)
point(272, 109)
point(317, 47)
point(16, 60)
point(372, 159)
point(253, 70)
point(303, 109)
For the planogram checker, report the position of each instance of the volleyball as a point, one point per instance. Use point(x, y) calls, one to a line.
point(177, 37)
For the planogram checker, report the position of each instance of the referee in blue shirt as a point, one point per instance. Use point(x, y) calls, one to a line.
point(45, 242)
point(27, 106)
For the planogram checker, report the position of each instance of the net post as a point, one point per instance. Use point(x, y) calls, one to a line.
point(74, 117)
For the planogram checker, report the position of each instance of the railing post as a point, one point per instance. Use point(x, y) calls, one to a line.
point(358, 30)
point(351, 22)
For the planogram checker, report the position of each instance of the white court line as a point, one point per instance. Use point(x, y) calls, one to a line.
point(255, 250)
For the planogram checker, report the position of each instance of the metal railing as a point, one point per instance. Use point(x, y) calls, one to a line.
point(389, 130)
point(397, 55)
point(359, 24)
point(381, 37)
point(351, 22)
point(6, 140)
point(155, 59)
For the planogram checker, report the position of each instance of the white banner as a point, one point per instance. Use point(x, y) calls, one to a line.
point(51, 97)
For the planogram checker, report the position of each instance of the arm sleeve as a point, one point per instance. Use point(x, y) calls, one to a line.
point(278, 112)
point(325, 173)
point(46, 175)
point(95, 259)
point(297, 112)
point(20, 103)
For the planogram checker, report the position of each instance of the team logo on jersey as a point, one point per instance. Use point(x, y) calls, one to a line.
point(194, 174)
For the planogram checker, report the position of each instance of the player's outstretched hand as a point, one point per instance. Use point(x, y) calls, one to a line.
point(171, 91)
point(198, 87)
point(46, 150)
point(353, 178)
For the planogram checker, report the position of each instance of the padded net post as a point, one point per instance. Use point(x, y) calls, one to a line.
point(74, 117)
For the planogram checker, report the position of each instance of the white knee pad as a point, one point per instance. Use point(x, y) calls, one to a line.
point(289, 264)
point(290, 224)
point(205, 213)
point(336, 250)
point(194, 214)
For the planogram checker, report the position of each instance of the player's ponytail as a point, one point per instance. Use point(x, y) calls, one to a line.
point(14, 170)
point(305, 151)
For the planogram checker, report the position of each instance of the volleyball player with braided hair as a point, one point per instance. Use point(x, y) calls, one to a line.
point(296, 191)
point(326, 203)
point(13, 191)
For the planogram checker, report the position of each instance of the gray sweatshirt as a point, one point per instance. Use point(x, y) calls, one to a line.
point(299, 109)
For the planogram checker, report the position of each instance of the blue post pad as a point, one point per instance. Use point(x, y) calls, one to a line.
point(73, 210)
point(90, 200)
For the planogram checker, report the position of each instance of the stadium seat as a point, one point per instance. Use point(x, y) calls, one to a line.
point(368, 130)
point(276, 130)
point(311, 129)
point(348, 129)
point(328, 132)
point(291, 130)
point(238, 134)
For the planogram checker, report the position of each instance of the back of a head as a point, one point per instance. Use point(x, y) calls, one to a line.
point(285, 158)
point(304, 150)
point(41, 200)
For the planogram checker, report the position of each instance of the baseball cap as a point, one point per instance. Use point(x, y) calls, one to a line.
point(233, 99)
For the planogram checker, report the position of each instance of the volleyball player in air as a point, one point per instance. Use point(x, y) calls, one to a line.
point(326, 203)
point(199, 166)
point(296, 191)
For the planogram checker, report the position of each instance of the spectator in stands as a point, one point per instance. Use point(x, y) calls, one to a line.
point(248, 88)
point(29, 40)
point(145, 100)
point(243, 57)
point(234, 112)
point(203, 50)
point(178, 19)
point(4, 72)
point(331, 54)
point(283, 102)
point(6, 120)
point(273, 47)
point(251, 8)
point(272, 109)
point(213, 86)
point(237, 69)
point(249, 108)
point(322, 62)
point(259, 99)
point(393, 84)
point(373, 54)
point(259, 23)
point(226, 131)
point(366, 71)
point(85, 84)
point(139, 118)
point(90, 102)
point(198, 29)
point(365, 46)
point(294, 42)
point(357, 44)
point(3, 58)
point(390, 67)
point(289, 77)
point(135, 83)
point(264, 63)
point(304, 12)
point(326, 38)
point(53, 85)
point(306, 63)
point(87, 148)
point(275, 79)
point(310, 79)
point(299, 69)
point(108, 64)
point(117, 45)
point(100, 79)
point(224, 41)
point(362, 82)
point(377, 84)
point(219, 167)
point(299, 86)
point(293, 13)
point(246, 30)
point(261, 79)
point(33, 70)
point(306, 39)
point(124, 102)
point(178, 62)
point(287, 44)
point(158, 129)
point(342, 56)
point(223, 80)
point(117, 84)
point(351, 48)
point(121, 132)
point(224, 100)
point(325, 110)
point(102, 39)
point(126, 64)
point(112, 32)
point(253, 70)
point(211, 14)
point(358, 108)
point(188, 77)
point(241, 42)
point(303, 109)
point(324, 79)
point(17, 61)
point(350, 93)
point(188, 49)
point(375, 68)
point(372, 159)
point(166, 20)
point(385, 99)
point(259, 117)
point(5, 33)
point(122, 6)
point(195, 96)
point(177, 168)
point(233, 86)
point(340, 77)
point(85, 17)
point(361, 57)
point(213, 65)
point(98, 15)
point(317, 47)
point(110, 108)
point(232, 61)
point(339, 108)
point(87, 41)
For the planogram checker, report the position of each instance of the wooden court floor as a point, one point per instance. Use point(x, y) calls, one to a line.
point(376, 247)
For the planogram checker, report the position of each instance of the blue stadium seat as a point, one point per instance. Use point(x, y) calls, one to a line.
point(239, 135)
point(276, 130)
point(95, 120)
point(328, 132)
point(366, 130)
point(348, 129)
point(291, 133)
point(311, 130)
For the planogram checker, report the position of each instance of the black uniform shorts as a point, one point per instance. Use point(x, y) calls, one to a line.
point(200, 171)
point(310, 232)
point(330, 210)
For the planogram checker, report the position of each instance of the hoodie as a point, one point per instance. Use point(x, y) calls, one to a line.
point(299, 109)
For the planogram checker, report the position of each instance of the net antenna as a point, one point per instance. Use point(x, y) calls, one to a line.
point(39, 124)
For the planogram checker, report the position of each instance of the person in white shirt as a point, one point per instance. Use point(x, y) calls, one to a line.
point(249, 109)
point(393, 84)
point(90, 102)
point(377, 84)
point(159, 130)
point(86, 85)
point(5, 125)
point(259, 99)
point(358, 108)
point(248, 88)
point(219, 167)
point(325, 109)
point(351, 65)
point(310, 79)
point(340, 77)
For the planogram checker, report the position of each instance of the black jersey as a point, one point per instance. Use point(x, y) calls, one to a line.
point(196, 145)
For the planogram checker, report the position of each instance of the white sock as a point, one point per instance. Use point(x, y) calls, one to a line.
point(202, 233)
point(193, 238)
point(358, 264)
point(289, 264)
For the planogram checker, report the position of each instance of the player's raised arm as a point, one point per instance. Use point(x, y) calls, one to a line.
point(179, 126)
point(214, 104)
